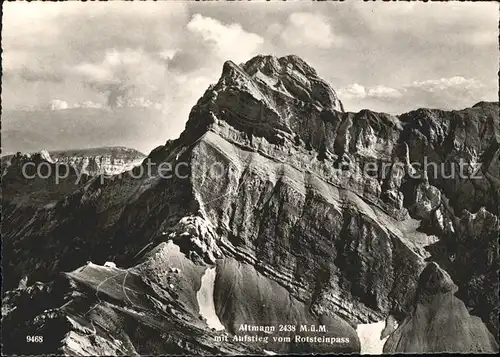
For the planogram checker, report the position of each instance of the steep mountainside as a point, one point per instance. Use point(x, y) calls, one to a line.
point(330, 215)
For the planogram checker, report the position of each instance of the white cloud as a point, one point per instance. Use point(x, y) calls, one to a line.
point(171, 79)
point(79, 51)
point(354, 90)
point(448, 93)
point(357, 91)
point(445, 93)
point(124, 75)
point(57, 104)
point(94, 71)
point(167, 54)
point(227, 41)
point(304, 29)
point(15, 60)
point(383, 92)
point(197, 63)
point(137, 102)
point(457, 82)
point(88, 104)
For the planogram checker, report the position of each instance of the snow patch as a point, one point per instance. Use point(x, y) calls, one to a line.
point(369, 337)
point(205, 297)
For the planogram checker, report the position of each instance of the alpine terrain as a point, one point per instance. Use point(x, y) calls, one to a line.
point(284, 225)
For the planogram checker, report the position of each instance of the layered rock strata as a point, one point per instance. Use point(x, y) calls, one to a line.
point(337, 209)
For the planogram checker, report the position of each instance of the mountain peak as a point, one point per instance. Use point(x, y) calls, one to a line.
point(434, 280)
point(289, 61)
point(267, 97)
point(289, 76)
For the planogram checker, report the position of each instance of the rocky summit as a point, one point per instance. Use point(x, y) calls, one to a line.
point(288, 224)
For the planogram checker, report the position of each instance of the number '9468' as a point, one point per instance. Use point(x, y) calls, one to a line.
point(34, 339)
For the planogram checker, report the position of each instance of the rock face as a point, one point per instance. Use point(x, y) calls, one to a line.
point(107, 161)
point(333, 214)
point(439, 321)
point(244, 298)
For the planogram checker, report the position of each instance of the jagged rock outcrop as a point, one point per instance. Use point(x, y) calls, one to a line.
point(34, 180)
point(468, 251)
point(96, 161)
point(440, 322)
point(336, 208)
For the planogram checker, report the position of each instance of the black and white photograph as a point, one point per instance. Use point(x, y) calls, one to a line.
point(250, 178)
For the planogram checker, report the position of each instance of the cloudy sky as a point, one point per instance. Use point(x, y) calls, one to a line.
point(390, 57)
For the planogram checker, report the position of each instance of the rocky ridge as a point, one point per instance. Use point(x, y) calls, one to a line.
point(43, 178)
point(104, 160)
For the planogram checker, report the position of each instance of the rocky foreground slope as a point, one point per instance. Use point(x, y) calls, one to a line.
point(329, 216)
point(440, 321)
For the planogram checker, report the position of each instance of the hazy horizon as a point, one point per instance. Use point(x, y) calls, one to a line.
point(162, 56)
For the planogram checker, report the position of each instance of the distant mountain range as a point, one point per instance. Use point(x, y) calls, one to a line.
point(83, 164)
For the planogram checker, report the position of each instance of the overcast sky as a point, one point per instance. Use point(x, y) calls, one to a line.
point(390, 57)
